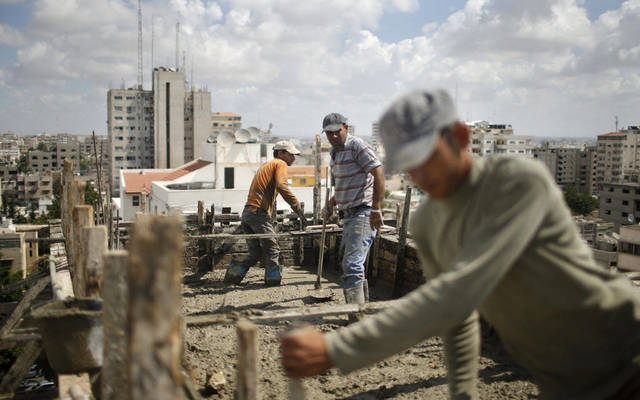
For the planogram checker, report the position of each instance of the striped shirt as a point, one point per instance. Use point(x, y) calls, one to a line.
point(351, 165)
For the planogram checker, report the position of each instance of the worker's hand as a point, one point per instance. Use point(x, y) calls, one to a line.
point(327, 212)
point(304, 352)
point(375, 220)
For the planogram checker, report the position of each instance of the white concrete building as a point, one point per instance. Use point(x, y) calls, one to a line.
point(222, 177)
point(488, 139)
point(629, 248)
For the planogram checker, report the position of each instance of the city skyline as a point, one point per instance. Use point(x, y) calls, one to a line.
point(552, 68)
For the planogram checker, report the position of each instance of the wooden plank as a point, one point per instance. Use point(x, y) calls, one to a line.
point(20, 367)
point(154, 327)
point(292, 313)
point(402, 244)
point(94, 242)
point(75, 197)
point(300, 254)
point(82, 216)
point(22, 306)
point(248, 358)
point(213, 218)
point(114, 323)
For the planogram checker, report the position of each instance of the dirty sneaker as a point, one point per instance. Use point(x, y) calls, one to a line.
point(235, 274)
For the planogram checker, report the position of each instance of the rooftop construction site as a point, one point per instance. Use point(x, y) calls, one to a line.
point(139, 310)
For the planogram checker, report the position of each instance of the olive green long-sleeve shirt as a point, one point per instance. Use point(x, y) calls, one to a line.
point(505, 245)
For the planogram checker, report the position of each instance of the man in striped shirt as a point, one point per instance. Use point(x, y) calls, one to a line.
point(359, 182)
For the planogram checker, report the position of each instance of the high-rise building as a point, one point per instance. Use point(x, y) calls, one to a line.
point(169, 115)
point(130, 131)
point(159, 128)
point(618, 156)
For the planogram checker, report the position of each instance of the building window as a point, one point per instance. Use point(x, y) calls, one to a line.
point(118, 108)
point(228, 178)
point(136, 201)
point(263, 149)
point(117, 97)
point(608, 200)
point(118, 118)
point(625, 203)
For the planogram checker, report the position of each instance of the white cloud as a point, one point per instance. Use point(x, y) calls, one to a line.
point(539, 65)
point(10, 37)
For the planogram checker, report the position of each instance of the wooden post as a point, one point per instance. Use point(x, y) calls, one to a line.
point(94, 242)
point(200, 212)
point(402, 242)
point(247, 382)
point(154, 327)
point(398, 216)
point(376, 257)
point(317, 184)
point(117, 246)
point(100, 211)
point(81, 216)
point(115, 295)
point(301, 240)
point(213, 219)
point(73, 195)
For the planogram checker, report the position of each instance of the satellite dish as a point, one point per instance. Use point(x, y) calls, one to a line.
point(631, 218)
point(242, 135)
point(254, 133)
point(211, 139)
point(226, 139)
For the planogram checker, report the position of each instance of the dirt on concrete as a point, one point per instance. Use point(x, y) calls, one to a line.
point(417, 373)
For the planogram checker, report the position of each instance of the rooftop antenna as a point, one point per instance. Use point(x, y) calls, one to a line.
point(153, 38)
point(616, 117)
point(177, 45)
point(139, 46)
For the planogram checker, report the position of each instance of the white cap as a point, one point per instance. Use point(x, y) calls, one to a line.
point(410, 127)
point(287, 146)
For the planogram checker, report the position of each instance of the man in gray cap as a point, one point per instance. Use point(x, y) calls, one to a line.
point(495, 239)
point(270, 179)
point(359, 182)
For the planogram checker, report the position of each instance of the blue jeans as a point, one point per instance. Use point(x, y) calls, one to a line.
point(357, 237)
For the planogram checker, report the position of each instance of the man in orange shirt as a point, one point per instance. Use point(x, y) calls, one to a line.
point(270, 179)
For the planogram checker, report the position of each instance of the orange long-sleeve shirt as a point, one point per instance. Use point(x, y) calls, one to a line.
point(271, 179)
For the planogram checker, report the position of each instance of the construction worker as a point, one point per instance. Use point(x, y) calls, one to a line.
point(359, 183)
point(270, 179)
point(495, 238)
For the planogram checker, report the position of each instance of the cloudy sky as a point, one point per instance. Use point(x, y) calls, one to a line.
point(548, 67)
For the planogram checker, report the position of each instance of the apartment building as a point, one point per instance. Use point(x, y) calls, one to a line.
point(51, 159)
point(618, 156)
point(129, 131)
point(225, 121)
point(488, 139)
point(586, 171)
point(620, 203)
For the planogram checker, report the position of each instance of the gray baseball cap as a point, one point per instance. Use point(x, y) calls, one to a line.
point(410, 127)
point(287, 146)
point(333, 122)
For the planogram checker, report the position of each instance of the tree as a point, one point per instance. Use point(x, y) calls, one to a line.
point(91, 195)
point(43, 146)
point(581, 204)
point(83, 165)
point(23, 166)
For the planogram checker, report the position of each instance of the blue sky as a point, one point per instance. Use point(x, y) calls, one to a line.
point(549, 68)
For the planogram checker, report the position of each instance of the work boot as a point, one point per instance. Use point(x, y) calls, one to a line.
point(272, 277)
point(235, 273)
point(354, 295)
